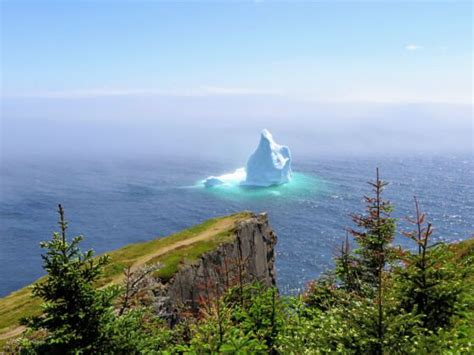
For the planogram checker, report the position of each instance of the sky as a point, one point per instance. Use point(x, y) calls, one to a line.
point(142, 75)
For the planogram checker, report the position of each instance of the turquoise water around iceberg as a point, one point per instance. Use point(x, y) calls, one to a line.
point(300, 185)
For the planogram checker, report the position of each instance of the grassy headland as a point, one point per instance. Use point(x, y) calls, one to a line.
point(171, 252)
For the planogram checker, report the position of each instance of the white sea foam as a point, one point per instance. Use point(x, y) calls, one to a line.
point(231, 179)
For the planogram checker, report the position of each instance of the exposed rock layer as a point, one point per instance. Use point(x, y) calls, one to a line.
point(249, 256)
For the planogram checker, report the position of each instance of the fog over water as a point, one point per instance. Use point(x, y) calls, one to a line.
point(227, 127)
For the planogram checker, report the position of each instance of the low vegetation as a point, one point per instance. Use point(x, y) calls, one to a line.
point(195, 241)
point(379, 299)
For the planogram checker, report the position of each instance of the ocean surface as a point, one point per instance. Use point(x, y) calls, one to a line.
point(116, 202)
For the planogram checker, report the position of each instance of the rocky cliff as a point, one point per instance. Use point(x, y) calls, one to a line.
point(248, 256)
point(177, 273)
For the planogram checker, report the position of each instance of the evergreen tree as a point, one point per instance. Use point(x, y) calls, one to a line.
point(374, 238)
point(348, 269)
point(75, 313)
point(429, 284)
point(376, 233)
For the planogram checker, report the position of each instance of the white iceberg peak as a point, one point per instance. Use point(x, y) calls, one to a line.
point(270, 164)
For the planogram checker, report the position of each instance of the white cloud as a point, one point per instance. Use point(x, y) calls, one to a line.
point(413, 47)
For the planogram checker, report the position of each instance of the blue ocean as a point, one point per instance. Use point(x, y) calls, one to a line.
point(114, 202)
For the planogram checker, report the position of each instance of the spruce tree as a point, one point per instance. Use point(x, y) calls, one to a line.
point(374, 238)
point(75, 313)
point(347, 269)
point(375, 235)
point(429, 285)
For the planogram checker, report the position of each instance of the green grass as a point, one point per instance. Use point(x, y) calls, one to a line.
point(126, 256)
point(15, 306)
point(20, 304)
point(186, 255)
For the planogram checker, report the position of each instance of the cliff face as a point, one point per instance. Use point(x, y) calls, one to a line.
point(177, 273)
point(249, 256)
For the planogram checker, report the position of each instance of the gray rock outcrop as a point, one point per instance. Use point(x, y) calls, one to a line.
point(249, 256)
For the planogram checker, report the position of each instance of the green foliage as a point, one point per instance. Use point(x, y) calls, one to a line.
point(377, 300)
point(225, 327)
point(324, 294)
point(374, 239)
point(429, 284)
point(77, 316)
point(137, 331)
point(261, 314)
point(338, 321)
point(214, 335)
point(74, 312)
point(241, 323)
point(431, 290)
point(345, 326)
point(364, 271)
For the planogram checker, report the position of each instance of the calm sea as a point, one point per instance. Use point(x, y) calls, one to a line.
point(117, 202)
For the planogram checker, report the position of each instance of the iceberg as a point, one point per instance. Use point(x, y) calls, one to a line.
point(269, 165)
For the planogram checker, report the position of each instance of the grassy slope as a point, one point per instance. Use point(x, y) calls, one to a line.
point(20, 303)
